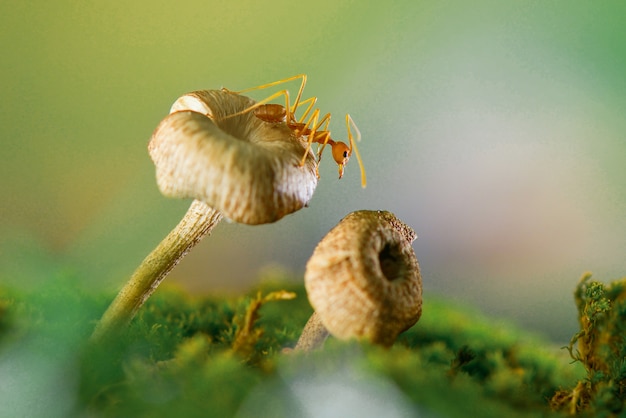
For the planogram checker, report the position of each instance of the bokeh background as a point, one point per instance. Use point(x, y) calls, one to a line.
point(496, 129)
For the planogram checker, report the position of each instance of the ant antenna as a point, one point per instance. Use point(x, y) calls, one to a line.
point(350, 121)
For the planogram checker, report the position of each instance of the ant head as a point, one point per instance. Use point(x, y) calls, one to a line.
point(341, 154)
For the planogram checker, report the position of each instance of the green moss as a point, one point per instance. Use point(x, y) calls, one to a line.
point(600, 346)
point(207, 356)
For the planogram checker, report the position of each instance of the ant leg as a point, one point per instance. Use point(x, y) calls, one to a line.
point(349, 122)
point(274, 83)
point(312, 101)
point(325, 135)
point(289, 110)
point(322, 128)
point(300, 90)
point(313, 137)
point(264, 101)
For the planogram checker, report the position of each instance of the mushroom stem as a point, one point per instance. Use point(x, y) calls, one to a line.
point(313, 335)
point(199, 220)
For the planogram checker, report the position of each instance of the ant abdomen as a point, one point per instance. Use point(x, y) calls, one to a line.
point(270, 112)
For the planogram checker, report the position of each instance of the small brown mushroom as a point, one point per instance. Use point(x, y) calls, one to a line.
point(363, 281)
point(239, 167)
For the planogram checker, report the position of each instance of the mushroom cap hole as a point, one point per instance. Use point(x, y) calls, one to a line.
point(389, 258)
point(241, 166)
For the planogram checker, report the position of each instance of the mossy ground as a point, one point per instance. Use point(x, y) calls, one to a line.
point(193, 356)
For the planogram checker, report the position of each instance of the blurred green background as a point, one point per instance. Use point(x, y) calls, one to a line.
point(496, 129)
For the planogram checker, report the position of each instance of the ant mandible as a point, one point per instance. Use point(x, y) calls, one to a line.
point(315, 128)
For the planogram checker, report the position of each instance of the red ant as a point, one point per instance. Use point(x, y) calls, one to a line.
point(315, 129)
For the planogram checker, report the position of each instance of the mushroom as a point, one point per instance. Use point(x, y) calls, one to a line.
point(363, 281)
point(234, 166)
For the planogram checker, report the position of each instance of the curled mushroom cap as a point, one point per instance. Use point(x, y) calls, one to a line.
point(247, 169)
point(363, 279)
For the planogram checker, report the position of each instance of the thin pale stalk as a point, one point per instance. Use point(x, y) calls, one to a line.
point(197, 222)
point(313, 335)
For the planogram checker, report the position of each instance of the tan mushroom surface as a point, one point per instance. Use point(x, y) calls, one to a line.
point(363, 279)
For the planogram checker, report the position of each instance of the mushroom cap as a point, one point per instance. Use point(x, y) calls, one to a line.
point(247, 169)
point(363, 279)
